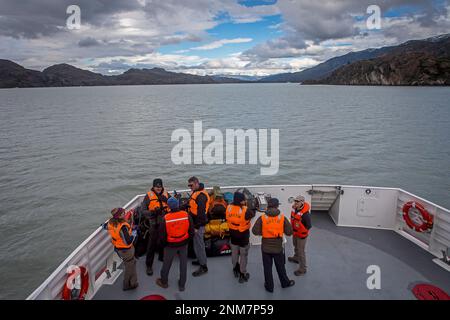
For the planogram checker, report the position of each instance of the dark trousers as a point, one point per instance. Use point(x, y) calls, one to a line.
point(153, 247)
point(280, 261)
point(169, 255)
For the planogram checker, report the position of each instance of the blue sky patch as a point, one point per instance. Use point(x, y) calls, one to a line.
point(259, 32)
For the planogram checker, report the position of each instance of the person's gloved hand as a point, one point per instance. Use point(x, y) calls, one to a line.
point(134, 233)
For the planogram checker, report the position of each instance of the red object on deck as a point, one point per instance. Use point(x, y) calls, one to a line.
point(153, 297)
point(429, 292)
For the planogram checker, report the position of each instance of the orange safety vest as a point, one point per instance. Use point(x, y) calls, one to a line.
point(193, 206)
point(116, 239)
point(236, 218)
point(154, 202)
point(217, 202)
point(272, 227)
point(177, 226)
point(296, 221)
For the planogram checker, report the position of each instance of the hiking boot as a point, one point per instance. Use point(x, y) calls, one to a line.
point(290, 284)
point(149, 271)
point(160, 283)
point(200, 271)
point(299, 272)
point(131, 288)
point(180, 287)
point(293, 259)
point(236, 270)
point(268, 289)
point(195, 263)
point(243, 277)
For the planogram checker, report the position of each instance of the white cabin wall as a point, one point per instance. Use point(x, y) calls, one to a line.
point(374, 210)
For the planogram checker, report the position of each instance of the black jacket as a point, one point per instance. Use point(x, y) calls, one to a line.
point(306, 220)
point(162, 231)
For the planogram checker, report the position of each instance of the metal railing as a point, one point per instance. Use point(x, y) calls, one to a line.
point(96, 253)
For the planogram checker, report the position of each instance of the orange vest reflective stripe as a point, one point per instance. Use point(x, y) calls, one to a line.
point(236, 218)
point(116, 239)
point(193, 207)
point(296, 221)
point(177, 226)
point(154, 202)
point(272, 227)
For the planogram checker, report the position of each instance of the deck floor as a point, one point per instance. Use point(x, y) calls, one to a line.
point(338, 258)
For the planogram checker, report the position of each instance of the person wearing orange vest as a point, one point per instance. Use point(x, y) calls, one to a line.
point(122, 238)
point(175, 231)
point(238, 218)
point(153, 208)
point(272, 225)
point(301, 224)
point(198, 207)
point(217, 204)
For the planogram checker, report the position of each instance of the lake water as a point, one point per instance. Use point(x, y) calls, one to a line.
point(69, 155)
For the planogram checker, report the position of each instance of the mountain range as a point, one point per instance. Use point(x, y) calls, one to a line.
point(64, 75)
point(413, 63)
point(416, 62)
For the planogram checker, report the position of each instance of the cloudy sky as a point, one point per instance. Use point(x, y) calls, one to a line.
point(245, 37)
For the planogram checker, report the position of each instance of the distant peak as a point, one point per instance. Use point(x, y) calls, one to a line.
point(61, 66)
point(9, 62)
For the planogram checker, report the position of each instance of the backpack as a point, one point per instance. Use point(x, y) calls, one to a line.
point(217, 228)
point(217, 247)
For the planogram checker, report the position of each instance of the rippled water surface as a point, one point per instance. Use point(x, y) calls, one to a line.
point(69, 155)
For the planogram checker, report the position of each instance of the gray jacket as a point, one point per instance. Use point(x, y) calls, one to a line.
point(272, 245)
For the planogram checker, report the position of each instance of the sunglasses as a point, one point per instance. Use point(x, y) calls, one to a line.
point(190, 185)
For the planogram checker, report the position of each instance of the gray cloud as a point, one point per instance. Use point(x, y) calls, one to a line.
point(330, 20)
point(284, 47)
point(33, 19)
point(118, 66)
point(127, 33)
point(88, 42)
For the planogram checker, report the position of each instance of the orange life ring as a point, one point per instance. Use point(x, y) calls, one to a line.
point(427, 219)
point(77, 283)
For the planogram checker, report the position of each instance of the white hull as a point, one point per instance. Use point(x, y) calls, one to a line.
point(348, 206)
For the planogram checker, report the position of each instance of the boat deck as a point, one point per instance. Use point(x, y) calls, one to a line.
point(338, 258)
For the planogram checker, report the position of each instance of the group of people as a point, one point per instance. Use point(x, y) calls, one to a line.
point(172, 225)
